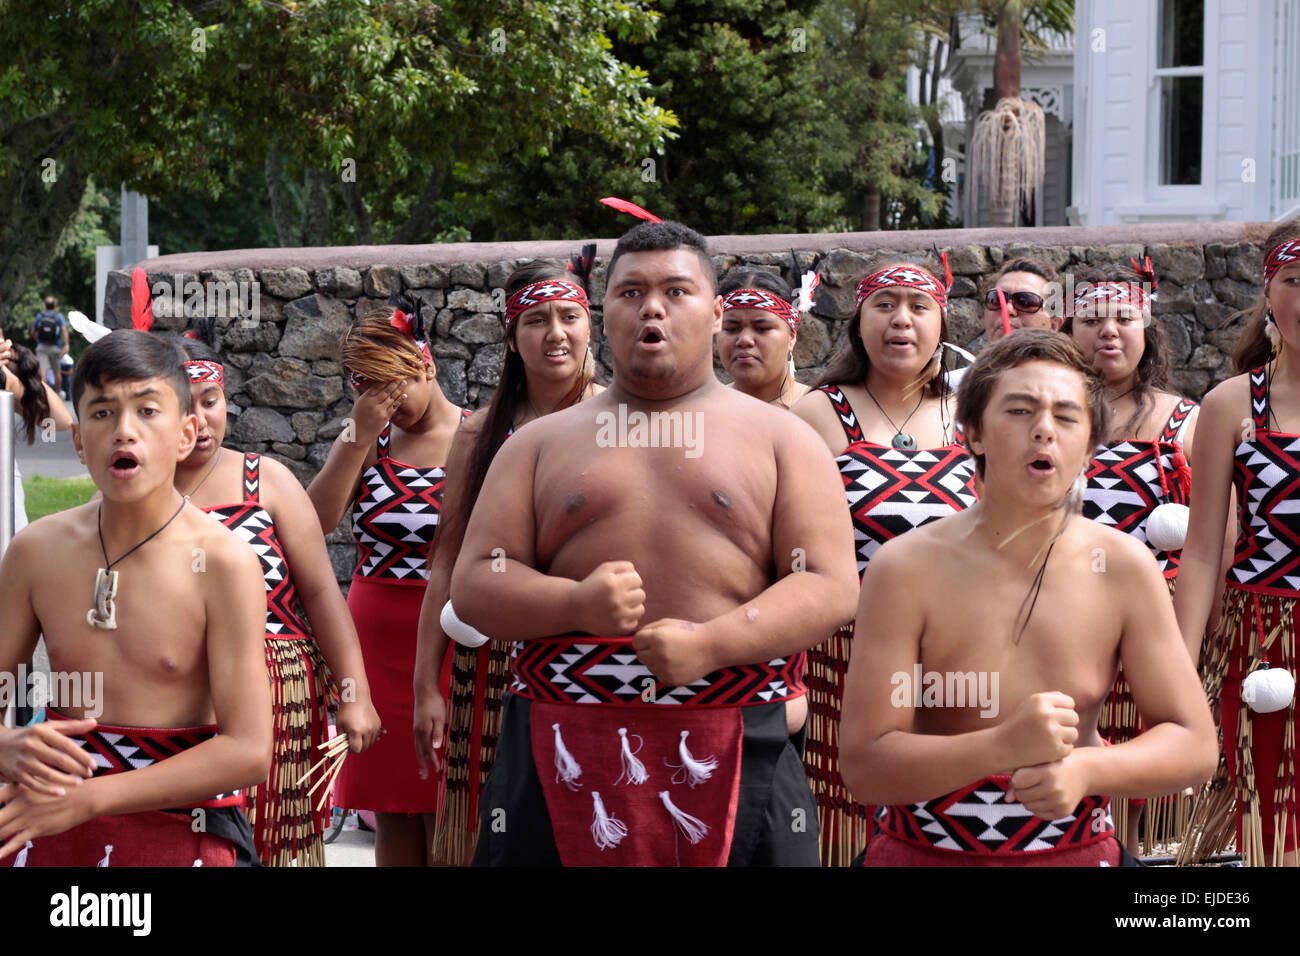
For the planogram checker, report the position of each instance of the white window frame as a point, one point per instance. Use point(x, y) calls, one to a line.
point(1203, 192)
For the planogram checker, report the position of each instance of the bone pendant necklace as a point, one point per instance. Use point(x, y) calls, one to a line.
point(104, 614)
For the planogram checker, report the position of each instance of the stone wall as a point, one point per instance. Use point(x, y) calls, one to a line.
point(288, 395)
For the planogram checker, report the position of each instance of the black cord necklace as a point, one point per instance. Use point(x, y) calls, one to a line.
point(901, 439)
point(104, 614)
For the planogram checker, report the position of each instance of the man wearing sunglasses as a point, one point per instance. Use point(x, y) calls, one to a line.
point(1026, 286)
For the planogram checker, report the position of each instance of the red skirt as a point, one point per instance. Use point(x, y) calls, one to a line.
point(887, 850)
point(386, 778)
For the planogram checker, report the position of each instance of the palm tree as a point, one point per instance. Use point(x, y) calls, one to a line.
point(1009, 142)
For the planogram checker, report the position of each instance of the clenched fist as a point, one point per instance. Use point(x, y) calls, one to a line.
point(610, 600)
point(677, 652)
point(1043, 728)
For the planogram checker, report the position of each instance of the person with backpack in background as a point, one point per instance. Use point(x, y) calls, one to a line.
point(50, 329)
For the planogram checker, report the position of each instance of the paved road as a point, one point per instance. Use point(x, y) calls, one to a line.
point(54, 459)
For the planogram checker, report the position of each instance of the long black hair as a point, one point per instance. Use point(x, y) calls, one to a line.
point(34, 406)
point(512, 388)
point(1253, 348)
point(849, 365)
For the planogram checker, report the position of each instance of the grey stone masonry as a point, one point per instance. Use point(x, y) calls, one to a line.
point(288, 394)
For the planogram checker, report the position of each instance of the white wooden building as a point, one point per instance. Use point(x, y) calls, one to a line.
point(1186, 110)
point(1156, 110)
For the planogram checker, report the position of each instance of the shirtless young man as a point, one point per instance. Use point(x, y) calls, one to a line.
point(178, 643)
point(723, 557)
point(1021, 597)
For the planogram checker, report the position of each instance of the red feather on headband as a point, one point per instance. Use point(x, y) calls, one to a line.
point(622, 205)
point(141, 302)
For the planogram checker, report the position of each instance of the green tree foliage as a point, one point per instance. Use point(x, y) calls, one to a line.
point(372, 100)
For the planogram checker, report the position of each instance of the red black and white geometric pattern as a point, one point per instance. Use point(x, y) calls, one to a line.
point(396, 516)
point(1287, 252)
point(201, 370)
point(605, 670)
point(762, 299)
point(1267, 479)
point(1127, 480)
point(977, 819)
point(545, 291)
point(901, 275)
point(890, 490)
point(121, 749)
point(1128, 293)
point(253, 524)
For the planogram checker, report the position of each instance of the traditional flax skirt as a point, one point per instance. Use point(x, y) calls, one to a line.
point(286, 825)
point(1253, 793)
point(1167, 816)
point(479, 678)
point(845, 824)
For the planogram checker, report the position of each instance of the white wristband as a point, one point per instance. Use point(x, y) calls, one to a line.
point(458, 630)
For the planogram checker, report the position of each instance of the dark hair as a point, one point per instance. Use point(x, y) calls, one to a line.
point(129, 355)
point(658, 236)
point(850, 364)
point(35, 405)
point(1253, 348)
point(50, 302)
point(1032, 266)
point(747, 277)
point(1153, 367)
point(1011, 351)
point(511, 393)
point(196, 350)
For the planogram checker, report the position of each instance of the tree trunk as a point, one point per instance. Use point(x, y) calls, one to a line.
point(1006, 59)
point(280, 214)
point(418, 221)
point(316, 208)
point(362, 228)
point(35, 213)
point(871, 208)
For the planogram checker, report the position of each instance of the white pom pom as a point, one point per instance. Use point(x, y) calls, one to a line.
point(1268, 689)
point(1167, 527)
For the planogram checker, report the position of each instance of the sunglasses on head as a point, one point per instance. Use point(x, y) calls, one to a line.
point(1027, 302)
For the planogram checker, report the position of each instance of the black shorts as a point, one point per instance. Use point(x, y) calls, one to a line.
point(776, 816)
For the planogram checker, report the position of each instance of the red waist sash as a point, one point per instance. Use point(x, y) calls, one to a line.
point(977, 819)
point(176, 837)
point(636, 772)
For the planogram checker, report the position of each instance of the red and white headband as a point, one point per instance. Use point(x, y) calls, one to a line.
point(548, 290)
point(406, 325)
point(201, 370)
point(1287, 252)
point(762, 299)
point(1140, 296)
point(907, 276)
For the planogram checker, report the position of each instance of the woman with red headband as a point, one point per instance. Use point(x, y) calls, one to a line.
point(760, 323)
point(548, 366)
point(1139, 481)
point(262, 502)
point(1249, 440)
point(885, 410)
point(387, 465)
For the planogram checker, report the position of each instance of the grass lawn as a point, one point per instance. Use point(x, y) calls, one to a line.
point(48, 495)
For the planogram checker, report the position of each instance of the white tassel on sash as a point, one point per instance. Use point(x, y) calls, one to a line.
point(692, 828)
point(634, 770)
point(108, 851)
point(22, 855)
point(567, 770)
point(690, 770)
point(608, 831)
